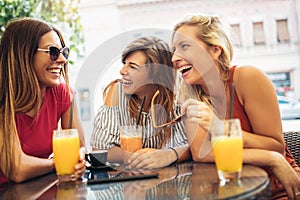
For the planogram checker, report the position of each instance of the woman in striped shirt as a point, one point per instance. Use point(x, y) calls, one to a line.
point(147, 68)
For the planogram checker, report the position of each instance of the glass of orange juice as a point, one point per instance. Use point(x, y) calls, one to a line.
point(227, 143)
point(66, 153)
point(130, 140)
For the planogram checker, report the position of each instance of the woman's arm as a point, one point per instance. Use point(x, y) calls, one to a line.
point(149, 158)
point(76, 123)
point(199, 117)
point(258, 97)
point(31, 167)
point(183, 152)
point(279, 165)
point(100, 132)
point(27, 167)
point(199, 141)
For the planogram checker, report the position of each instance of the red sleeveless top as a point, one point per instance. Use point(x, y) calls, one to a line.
point(239, 112)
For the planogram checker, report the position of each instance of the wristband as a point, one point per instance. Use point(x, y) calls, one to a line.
point(177, 156)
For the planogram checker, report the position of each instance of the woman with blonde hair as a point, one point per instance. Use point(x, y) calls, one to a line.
point(203, 53)
point(34, 96)
point(147, 68)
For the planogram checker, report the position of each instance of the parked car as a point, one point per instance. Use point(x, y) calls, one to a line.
point(289, 108)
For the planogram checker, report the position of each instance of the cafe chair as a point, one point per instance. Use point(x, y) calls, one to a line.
point(292, 140)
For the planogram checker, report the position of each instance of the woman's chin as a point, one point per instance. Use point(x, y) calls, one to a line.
point(127, 91)
point(51, 83)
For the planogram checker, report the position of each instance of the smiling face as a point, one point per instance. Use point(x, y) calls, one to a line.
point(192, 57)
point(47, 71)
point(135, 74)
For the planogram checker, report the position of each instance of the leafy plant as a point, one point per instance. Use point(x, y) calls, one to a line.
point(62, 13)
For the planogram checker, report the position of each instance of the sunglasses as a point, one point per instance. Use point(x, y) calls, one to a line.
point(175, 120)
point(54, 52)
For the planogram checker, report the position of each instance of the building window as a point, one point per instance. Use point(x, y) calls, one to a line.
point(258, 31)
point(283, 35)
point(236, 32)
point(280, 79)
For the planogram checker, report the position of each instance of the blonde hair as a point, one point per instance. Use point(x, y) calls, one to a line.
point(19, 85)
point(212, 32)
point(160, 72)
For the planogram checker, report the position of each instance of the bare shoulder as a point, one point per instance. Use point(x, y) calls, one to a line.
point(112, 94)
point(251, 82)
point(247, 73)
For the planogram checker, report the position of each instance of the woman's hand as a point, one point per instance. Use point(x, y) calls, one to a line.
point(151, 158)
point(198, 113)
point(287, 176)
point(80, 166)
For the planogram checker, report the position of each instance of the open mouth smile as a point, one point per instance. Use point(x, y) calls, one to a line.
point(184, 69)
point(54, 70)
point(126, 83)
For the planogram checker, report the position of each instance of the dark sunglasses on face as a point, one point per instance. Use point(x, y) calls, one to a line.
point(54, 52)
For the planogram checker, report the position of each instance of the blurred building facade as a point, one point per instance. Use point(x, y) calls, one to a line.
point(267, 31)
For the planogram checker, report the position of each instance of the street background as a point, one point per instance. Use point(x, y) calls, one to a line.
point(266, 34)
point(291, 125)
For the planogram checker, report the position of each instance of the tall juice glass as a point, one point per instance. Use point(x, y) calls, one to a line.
point(227, 145)
point(66, 146)
point(130, 140)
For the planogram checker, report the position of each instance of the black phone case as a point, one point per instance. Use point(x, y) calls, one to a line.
point(124, 177)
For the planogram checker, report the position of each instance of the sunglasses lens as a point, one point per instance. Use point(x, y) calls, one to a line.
point(54, 53)
point(65, 52)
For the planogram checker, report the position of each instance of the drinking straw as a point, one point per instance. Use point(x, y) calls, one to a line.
point(71, 114)
point(231, 101)
point(71, 119)
point(140, 111)
point(231, 107)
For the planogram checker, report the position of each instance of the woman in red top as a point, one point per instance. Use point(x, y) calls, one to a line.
point(34, 96)
point(202, 54)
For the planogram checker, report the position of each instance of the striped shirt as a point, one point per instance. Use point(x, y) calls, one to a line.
point(108, 119)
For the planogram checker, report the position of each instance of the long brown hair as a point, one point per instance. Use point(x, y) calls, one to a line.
point(19, 86)
point(161, 74)
point(211, 31)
